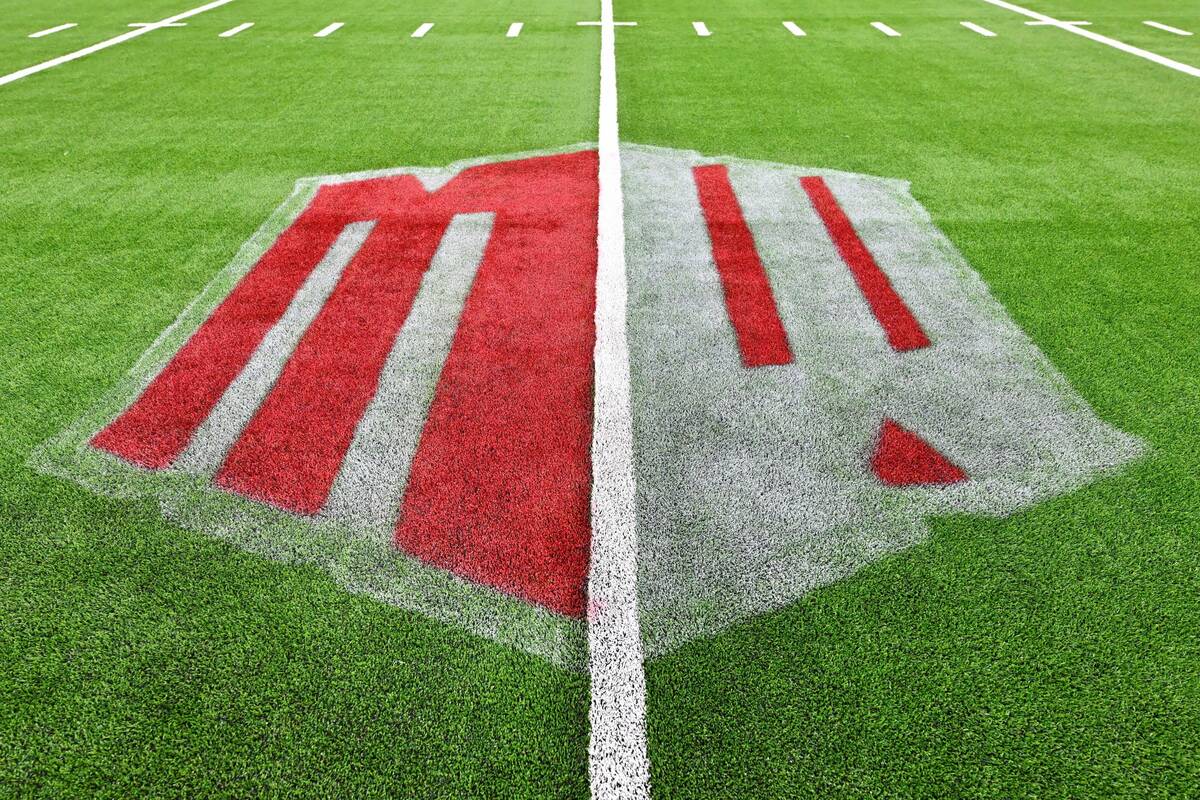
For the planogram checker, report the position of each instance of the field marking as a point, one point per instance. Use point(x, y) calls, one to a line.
point(794, 29)
point(982, 31)
point(514, 30)
point(422, 29)
point(1167, 28)
point(887, 30)
point(236, 30)
point(328, 29)
point(1058, 23)
point(618, 765)
point(600, 23)
point(701, 29)
point(68, 25)
point(157, 25)
point(1178, 66)
point(124, 37)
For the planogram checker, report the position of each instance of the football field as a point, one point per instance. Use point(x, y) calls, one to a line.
point(600, 398)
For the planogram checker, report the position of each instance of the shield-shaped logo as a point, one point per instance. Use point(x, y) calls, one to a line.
point(393, 380)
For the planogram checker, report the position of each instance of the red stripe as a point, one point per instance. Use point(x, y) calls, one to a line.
point(903, 331)
point(500, 484)
point(748, 297)
point(290, 452)
point(157, 427)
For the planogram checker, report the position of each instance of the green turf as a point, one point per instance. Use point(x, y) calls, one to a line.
point(1050, 654)
point(138, 659)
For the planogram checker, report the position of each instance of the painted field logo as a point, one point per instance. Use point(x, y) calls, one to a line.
point(393, 380)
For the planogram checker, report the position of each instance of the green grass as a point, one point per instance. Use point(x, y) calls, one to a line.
point(1049, 654)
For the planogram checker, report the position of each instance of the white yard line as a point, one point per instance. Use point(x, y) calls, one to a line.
point(424, 28)
point(701, 29)
point(328, 29)
point(618, 765)
point(124, 37)
point(982, 31)
point(794, 29)
point(1167, 28)
point(1096, 37)
point(514, 30)
point(887, 30)
point(66, 26)
point(236, 30)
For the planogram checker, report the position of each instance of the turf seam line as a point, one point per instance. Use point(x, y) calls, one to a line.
point(618, 765)
point(124, 37)
point(1169, 63)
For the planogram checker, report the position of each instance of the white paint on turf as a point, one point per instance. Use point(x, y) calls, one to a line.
point(69, 25)
point(424, 28)
point(793, 28)
point(95, 48)
point(514, 30)
point(618, 765)
point(1167, 28)
point(701, 29)
point(236, 30)
point(886, 30)
point(1169, 63)
point(328, 29)
point(982, 31)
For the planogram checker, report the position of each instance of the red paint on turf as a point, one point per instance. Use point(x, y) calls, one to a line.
point(500, 485)
point(748, 297)
point(903, 331)
point(902, 458)
point(290, 452)
point(157, 427)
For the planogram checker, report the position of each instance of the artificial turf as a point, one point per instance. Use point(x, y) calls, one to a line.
point(1051, 653)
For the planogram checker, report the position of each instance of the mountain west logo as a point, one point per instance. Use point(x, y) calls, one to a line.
point(393, 380)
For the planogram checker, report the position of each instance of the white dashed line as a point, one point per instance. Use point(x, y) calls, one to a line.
point(124, 37)
point(794, 29)
point(1178, 66)
point(1167, 28)
point(982, 31)
point(885, 29)
point(328, 29)
point(237, 30)
point(157, 25)
point(1058, 23)
point(424, 28)
point(514, 30)
point(69, 25)
point(701, 29)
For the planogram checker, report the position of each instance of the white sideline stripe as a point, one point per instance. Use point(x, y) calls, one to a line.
point(701, 29)
point(1167, 28)
point(982, 31)
point(68, 25)
point(794, 29)
point(424, 28)
point(618, 766)
point(1096, 37)
point(124, 37)
point(885, 29)
point(235, 31)
point(328, 29)
point(514, 30)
